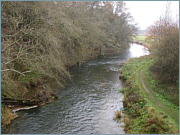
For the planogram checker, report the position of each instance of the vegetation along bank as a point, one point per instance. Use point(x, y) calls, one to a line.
point(151, 95)
point(40, 40)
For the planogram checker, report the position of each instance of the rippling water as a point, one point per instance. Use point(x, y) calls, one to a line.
point(86, 105)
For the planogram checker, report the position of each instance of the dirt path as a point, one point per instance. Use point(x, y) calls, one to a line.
point(144, 84)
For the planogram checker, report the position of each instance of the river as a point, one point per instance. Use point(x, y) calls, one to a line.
point(86, 105)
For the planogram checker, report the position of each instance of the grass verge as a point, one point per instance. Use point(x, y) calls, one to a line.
point(148, 105)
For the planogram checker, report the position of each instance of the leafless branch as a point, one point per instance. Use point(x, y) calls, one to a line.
point(13, 70)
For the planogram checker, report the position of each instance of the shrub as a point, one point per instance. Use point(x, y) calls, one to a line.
point(118, 114)
point(6, 116)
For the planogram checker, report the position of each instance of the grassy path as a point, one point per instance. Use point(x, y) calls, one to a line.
point(157, 114)
point(155, 99)
point(144, 85)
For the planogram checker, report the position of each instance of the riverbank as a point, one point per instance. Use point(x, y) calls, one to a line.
point(149, 106)
point(34, 90)
point(91, 97)
point(141, 39)
point(33, 98)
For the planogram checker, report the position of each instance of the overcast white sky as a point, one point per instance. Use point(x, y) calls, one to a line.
point(146, 12)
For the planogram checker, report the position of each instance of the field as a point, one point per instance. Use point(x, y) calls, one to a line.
point(140, 37)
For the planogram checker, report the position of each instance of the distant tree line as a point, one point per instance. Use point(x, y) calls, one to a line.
point(142, 32)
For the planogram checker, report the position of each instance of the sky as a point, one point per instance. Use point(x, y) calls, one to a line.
point(145, 13)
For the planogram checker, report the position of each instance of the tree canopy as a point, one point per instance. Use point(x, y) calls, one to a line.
point(40, 39)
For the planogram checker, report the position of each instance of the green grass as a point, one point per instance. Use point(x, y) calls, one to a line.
point(141, 37)
point(137, 100)
point(158, 99)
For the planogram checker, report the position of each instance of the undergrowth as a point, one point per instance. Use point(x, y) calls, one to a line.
point(147, 113)
point(117, 115)
point(6, 115)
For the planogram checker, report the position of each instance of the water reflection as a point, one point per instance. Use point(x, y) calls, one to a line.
point(138, 50)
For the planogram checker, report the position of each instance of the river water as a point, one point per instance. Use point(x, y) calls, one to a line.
point(86, 105)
